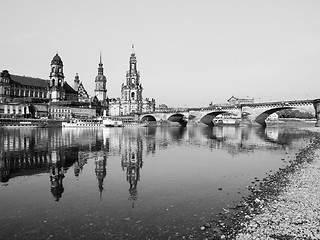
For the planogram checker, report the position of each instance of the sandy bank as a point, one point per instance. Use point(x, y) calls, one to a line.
point(286, 205)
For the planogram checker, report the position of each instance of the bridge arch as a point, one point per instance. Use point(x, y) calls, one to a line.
point(148, 118)
point(261, 119)
point(178, 117)
point(207, 119)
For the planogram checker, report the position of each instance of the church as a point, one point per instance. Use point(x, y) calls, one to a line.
point(22, 96)
point(131, 101)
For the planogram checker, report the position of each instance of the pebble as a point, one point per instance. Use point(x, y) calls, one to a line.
point(294, 213)
point(286, 205)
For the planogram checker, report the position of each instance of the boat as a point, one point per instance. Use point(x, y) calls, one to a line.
point(92, 123)
point(22, 122)
point(79, 123)
point(109, 122)
point(226, 122)
point(135, 123)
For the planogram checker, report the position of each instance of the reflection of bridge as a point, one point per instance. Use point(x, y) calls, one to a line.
point(254, 113)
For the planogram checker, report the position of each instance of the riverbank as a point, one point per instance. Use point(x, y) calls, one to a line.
point(285, 206)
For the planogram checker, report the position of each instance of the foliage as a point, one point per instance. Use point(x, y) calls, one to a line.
point(289, 113)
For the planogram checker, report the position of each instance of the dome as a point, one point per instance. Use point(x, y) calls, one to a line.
point(56, 60)
point(100, 78)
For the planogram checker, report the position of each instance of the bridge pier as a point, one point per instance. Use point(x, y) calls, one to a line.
point(316, 104)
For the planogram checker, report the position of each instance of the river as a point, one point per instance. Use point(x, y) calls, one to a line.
point(132, 183)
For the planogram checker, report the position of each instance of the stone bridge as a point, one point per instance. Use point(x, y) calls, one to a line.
point(255, 113)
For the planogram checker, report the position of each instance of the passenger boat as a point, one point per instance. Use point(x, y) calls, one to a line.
point(109, 122)
point(226, 121)
point(135, 123)
point(89, 123)
point(82, 123)
point(22, 122)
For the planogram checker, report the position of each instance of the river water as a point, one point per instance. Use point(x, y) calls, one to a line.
point(131, 183)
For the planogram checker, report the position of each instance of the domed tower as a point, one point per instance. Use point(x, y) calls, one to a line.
point(101, 83)
point(56, 79)
point(131, 92)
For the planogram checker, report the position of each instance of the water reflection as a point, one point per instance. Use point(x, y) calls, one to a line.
point(34, 151)
point(174, 178)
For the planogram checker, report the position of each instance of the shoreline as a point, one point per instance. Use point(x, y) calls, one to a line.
point(276, 209)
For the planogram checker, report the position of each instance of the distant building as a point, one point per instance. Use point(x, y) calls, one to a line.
point(15, 88)
point(83, 95)
point(236, 101)
point(23, 96)
point(131, 101)
point(273, 117)
point(101, 83)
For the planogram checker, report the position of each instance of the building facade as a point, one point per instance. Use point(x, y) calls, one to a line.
point(236, 100)
point(23, 96)
point(101, 84)
point(131, 101)
point(83, 95)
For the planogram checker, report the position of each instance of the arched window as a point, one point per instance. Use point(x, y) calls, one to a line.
point(132, 95)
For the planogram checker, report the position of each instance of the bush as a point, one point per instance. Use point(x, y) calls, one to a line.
point(289, 113)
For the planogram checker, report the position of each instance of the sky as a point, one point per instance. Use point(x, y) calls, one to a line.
point(189, 53)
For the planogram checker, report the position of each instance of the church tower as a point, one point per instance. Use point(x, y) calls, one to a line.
point(57, 79)
point(131, 92)
point(101, 83)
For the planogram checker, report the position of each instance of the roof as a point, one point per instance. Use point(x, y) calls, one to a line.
point(29, 81)
point(100, 78)
point(68, 88)
point(56, 60)
point(41, 108)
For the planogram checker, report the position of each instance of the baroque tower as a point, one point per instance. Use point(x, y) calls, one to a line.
point(57, 79)
point(101, 83)
point(131, 92)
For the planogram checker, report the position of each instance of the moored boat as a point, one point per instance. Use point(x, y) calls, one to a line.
point(78, 123)
point(22, 122)
point(92, 123)
point(226, 121)
point(109, 122)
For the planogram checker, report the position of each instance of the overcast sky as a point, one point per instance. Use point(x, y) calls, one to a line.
point(189, 53)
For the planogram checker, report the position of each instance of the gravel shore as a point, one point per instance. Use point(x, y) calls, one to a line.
point(285, 206)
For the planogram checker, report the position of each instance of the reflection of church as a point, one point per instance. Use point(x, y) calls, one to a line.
point(56, 175)
point(101, 171)
point(131, 162)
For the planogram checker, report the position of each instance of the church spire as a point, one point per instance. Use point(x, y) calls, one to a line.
point(100, 68)
point(101, 82)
